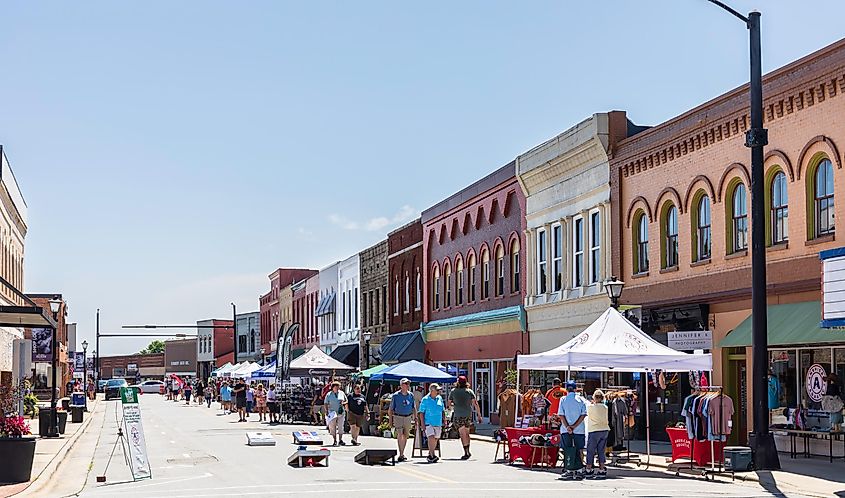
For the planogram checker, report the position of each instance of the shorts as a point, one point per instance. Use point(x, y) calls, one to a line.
point(463, 422)
point(433, 430)
point(273, 406)
point(403, 423)
point(240, 403)
point(355, 419)
point(317, 409)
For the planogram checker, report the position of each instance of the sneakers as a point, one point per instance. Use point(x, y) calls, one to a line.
point(567, 475)
point(342, 443)
point(601, 474)
point(402, 458)
point(579, 474)
point(465, 456)
point(589, 474)
point(432, 459)
point(356, 443)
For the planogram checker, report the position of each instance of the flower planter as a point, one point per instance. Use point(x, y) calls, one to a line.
point(17, 455)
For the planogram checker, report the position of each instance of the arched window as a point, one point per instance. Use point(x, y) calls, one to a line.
point(396, 304)
point(739, 218)
point(435, 284)
point(500, 271)
point(448, 274)
point(779, 209)
point(459, 270)
point(824, 198)
point(407, 307)
point(641, 243)
point(418, 302)
point(515, 266)
point(670, 236)
point(485, 274)
point(471, 265)
point(702, 232)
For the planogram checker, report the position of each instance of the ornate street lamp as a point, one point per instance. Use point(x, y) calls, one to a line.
point(55, 305)
point(85, 373)
point(613, 287)
point(367, 337)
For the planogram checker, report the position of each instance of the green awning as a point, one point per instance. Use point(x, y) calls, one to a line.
point(789, 325)
point(373, 370)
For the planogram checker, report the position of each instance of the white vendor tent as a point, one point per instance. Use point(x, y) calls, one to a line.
point(244, 369)
point(223, 371)
point(613, 344)
point(315, 359)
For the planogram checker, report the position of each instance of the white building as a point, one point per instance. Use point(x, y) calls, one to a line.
point(348, 316)
point(13, 228)
point(327, 320)
point(566, 185)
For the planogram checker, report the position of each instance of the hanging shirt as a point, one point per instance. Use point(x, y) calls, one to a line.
point(774, 392)
point(720, 410)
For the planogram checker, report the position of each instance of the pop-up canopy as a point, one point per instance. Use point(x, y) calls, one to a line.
point(265, 372)
point(415, 372)
point(220, 372)
point(614, 344)
point(316, 360)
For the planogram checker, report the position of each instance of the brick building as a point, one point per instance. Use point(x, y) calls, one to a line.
point(473, 293)
point(180, 357)
point(305, 297)
point(272, 314)
point(681, 228)
point(405, 308)
point(215, 343)
point(374, 275)
point(43, 369)
point(148, 366)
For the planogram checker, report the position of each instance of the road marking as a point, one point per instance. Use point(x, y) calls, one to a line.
point(186, 455)
point(423, 475)
point(172, 442)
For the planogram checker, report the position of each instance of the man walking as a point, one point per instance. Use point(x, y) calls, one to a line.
point(572, 412)
point(240, 399)
point(433, 418)
point(400, 415)
point(335, 406)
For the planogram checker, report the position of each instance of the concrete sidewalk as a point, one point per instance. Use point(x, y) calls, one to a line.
point(50, 452)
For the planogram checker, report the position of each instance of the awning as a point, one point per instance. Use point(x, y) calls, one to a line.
point(404, 346)
point(479, 318)
point(25, 316)
point(326, 305)
point(347, 353)
point(789, 325)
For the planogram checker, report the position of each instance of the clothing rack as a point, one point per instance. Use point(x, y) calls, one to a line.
point(622, 457)
point(712, 471)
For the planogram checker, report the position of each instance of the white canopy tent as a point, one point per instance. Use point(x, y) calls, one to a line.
point(222, 371)
point(613, 344)
point(244, 369)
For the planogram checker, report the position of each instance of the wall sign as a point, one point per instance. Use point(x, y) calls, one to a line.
point(833, 287)
point(690, 340)
point(816, 383)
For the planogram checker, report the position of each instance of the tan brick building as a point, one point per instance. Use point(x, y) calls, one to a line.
point(681, 231)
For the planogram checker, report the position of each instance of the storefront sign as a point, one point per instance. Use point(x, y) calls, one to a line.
point(42, 345)
point(139, 463)
point(690, 340)
point(816, 383)
point(833, 287)
point(132, 368)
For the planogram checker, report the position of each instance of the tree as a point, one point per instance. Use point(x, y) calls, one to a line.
point(154, 347)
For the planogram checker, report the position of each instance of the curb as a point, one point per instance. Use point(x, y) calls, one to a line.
point(36, 482)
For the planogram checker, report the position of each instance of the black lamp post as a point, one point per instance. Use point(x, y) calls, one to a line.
point(85, 373)
point(263, 362)
point(53, 431)
point(234, 334)
point(367, 337)
point(613, 287)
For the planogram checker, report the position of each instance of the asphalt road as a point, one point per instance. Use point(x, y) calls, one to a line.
point(198, 452)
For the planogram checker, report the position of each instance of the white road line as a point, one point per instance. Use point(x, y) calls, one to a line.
point(172, 442)
point(186, 455)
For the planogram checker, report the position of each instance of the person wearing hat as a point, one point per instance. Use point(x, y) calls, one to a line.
point(462, 399)
point(433, 418)
point(401, 415)
point(572, 412)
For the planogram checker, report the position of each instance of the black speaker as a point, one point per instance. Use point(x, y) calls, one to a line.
point(376, 457)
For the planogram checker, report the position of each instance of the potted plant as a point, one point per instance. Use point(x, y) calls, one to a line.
point(384, 428)
point(17, 446)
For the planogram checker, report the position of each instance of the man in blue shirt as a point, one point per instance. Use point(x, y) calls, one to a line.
point(572, 411)
point(401, 415)
point(433, 418)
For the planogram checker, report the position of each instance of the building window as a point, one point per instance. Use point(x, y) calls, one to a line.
point(824, 198)
point(418, 303)
point(355, 323)
point(485, 274)
point(780, 209)
point(670, 237)
point(500, 271)
point(435, 282)
point(384, 301)
point(396, 297)
point(578, 252)
point(541, 261)
point(703, 229)
point(595, 247)
point(557, 257)
point(515, 266)
point(641, 243)
point(740, 218)
point(471, 278)
point(376, 306)
point(448, 272)
point(407, 308)
point(242, 344)
point(459, 270)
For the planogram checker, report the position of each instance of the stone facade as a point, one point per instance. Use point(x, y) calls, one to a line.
point(373, 306)
point(406, 278)
point(348, 313)
point(13, 229)
point(248, 328)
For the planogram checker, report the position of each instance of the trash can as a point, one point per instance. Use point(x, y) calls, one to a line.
point(77, 398)
point(738, 458)
point(44, 421)
point(65, 404)
point(76, 412)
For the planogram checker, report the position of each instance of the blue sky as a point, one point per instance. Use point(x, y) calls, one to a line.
point(172, 154)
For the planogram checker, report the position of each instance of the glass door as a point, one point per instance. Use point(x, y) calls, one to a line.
point(481, 386)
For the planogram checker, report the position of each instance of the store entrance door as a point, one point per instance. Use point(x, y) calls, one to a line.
point(481, 386)
point(742, 395)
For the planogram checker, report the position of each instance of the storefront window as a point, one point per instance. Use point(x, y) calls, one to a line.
point(783, 388)
point(810, 357)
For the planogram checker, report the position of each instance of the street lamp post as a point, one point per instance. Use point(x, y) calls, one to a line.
point(85, 373)
point(97, 354)
point(761, 440)
point(234, 334)
point(613, 287)
point(53, 431)
point(367, 337)
point(263, 361)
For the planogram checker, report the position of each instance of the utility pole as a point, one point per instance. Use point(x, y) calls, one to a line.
point(234, 334)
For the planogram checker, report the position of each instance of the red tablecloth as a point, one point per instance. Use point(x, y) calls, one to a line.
point(519, 451)
point(682, 447)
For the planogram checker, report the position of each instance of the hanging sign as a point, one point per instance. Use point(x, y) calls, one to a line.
point(42, 345)
point(690, 340)
point(816, 383)
point(139, 463)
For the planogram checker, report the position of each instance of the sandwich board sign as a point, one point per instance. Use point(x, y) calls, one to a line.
point(139, 463)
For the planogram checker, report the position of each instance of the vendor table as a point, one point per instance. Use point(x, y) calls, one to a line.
point(794, 434)
point(699, 452)
point(532, 455)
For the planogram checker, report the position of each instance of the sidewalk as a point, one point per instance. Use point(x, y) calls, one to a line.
point(49, 453)
point(815, 476)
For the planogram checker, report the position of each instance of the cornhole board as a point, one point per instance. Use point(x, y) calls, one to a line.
point(421, 444)
point(376, 457)
point(260, 439)
point(307, 437)
point(300, 458)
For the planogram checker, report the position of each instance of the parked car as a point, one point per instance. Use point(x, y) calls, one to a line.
point(101, 385)
point(113, 388)
point(151, 386)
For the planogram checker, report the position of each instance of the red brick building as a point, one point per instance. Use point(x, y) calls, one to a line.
point(148, 366)
point(271, 315)
point(406, 278)
point(42, 369)
point(473, 292)
point(305, 296)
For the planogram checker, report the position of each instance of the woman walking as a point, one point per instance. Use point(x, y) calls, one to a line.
point(335, 413)
point(358, 413)
point(187, 392)
point(225, 397)
point(209, 395)
point(261, 402)
point(598, 429)
point(463, 403)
